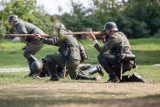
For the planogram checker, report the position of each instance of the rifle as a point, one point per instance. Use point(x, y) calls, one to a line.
point(98, 33)
point(24, 35)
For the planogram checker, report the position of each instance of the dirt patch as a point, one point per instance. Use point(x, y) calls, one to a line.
point(75, 94)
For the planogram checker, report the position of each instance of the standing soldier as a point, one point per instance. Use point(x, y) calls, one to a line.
point(32, 45)
point(117, 44)
point(68, 56)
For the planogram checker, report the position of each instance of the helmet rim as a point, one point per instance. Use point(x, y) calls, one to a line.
point(12, 18)
point(110, 26)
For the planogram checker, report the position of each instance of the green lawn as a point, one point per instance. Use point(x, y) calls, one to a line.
point(17, 91)
point(147, 52)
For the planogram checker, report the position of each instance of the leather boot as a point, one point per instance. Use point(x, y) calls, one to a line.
point(30, 60)
point(84, 66)
point(96, 69)
point(125, 78)
point(60, 72)
point(113, 79)
point(51, 65)
point(136, 78)
point(85, 77)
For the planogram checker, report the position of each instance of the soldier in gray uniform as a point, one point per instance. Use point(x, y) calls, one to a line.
point(68, 56)
point(32, 45)
point(117, 44)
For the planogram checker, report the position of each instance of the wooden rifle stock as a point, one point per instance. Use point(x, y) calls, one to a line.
point(66, 33)
point(23, 35)
point(84, 33)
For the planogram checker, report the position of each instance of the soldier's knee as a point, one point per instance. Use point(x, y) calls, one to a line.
point(26, 55)
point(47, 56)
point(127, 66)
point(100, 57)
point(72, 76)
point(46, 60)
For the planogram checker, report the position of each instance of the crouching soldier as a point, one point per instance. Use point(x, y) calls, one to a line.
point(68, 57)
point(115, 62)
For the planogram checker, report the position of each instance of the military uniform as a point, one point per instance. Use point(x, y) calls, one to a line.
point(32, 45)
point(68, 55)
point(116, 44)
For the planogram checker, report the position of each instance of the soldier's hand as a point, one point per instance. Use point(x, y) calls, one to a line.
point(37, 36)
point(91, 36)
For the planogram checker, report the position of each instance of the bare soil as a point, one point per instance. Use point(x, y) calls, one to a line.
point(81, 94)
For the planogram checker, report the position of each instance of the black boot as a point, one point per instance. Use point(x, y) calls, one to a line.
point(136, 78)
point(84, 66)
point(96, 69)
point(30, 60)
point(85, 77)
point(41, 74)
point(113, 79)
point(125, 78)
point(60, 72)
point(51, 65)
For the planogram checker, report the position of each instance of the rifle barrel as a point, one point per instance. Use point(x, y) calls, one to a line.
point(82, 33)
point(67, 33)
point(23, 35)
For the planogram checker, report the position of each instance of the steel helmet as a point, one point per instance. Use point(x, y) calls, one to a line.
point(36, 66)
point(13, 18)
point(58, 26)
point(110, 26)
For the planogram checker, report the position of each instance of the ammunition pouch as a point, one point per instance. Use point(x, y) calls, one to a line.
point(128, 57)
point(83, 53)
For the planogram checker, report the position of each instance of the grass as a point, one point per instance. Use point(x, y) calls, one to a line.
point(147, 54)
point(16, 91)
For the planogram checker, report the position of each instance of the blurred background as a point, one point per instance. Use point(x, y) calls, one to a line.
point(136, 18)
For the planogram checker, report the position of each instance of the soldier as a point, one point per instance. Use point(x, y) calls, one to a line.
point(32, 45)
point(68, 56)
point(117, 44)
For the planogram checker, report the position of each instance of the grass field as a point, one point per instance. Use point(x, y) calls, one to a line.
point(16, 91)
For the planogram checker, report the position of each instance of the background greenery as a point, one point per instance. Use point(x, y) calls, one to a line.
point(136, 18)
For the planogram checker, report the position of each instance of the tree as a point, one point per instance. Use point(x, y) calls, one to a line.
point(139, 18)
point(28, 11)
point(146, 11)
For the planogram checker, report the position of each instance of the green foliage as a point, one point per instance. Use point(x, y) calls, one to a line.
point(157, 35)
point(2, 30)
point(136, 18)
point(131, 27)
point(28, 11)
point(144, 10)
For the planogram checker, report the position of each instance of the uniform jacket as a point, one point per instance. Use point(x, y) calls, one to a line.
point(115, 43)
point(67, 44)
point(23, 27)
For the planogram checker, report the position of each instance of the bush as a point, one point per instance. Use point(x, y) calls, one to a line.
point(132, 28)
point(2, 30)
point(157, 35)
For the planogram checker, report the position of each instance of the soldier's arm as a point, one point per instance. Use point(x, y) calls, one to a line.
point(49, 41)
point(20, 29)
